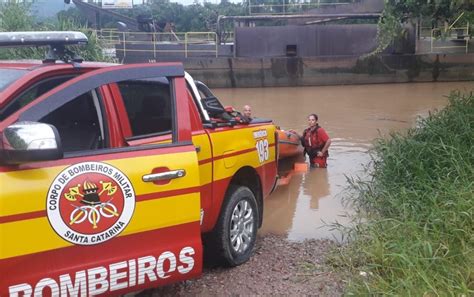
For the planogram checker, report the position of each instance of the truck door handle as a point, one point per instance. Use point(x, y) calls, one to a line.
point(167, 175)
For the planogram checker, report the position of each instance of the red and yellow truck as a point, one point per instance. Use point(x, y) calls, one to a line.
point(112, 176)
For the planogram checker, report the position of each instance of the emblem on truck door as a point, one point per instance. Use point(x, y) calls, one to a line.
point(90, 202)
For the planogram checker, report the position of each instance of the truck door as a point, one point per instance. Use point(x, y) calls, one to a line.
point(105, 218)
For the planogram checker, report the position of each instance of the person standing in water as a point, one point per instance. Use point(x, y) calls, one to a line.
point(316, 142)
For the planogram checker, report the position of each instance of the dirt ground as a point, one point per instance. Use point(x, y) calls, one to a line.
point(278, 267)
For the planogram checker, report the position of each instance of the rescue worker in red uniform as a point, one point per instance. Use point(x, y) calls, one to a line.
point(316, 142)
point(247, 111)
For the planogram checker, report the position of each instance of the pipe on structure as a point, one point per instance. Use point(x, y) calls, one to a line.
point(91, 8)
point(335, 16)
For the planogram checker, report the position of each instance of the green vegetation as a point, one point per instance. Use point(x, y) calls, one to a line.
point(195, 17)
point(14, 17)
point(17, 17)
point(416, 237)
point(435, 12)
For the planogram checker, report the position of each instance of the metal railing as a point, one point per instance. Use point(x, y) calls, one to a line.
point(446, 37)
point(442, 39)
point(425, 32)
point(160, 42)
point(298, 6)
point(108, 37)
point(198, 38)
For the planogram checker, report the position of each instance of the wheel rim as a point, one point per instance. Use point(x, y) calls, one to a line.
point(241, 226)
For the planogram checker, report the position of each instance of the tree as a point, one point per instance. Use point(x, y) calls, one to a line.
point(435, 11)
point(17, 17)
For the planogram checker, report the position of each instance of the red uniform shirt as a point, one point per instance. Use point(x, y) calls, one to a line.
point(315, 138)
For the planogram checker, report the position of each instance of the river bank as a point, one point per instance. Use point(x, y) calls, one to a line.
point(245, 72)
point(318, 71)
point(277, 262)
point(278, 267)
point(417, 209)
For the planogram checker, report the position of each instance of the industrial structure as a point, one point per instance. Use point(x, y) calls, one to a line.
point(317, 28)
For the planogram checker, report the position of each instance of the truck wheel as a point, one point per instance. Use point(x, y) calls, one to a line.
point(234, 237)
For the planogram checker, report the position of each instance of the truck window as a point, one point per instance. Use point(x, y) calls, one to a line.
point(31, 94)
point(9, 76)
point(78, 122)
point(148, 105)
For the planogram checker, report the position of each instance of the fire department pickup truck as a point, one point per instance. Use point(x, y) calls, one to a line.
point(113, 176)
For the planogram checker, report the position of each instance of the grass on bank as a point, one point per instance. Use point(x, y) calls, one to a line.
point(417, 238)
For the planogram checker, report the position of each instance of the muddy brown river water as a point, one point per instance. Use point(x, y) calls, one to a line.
point(353, 116)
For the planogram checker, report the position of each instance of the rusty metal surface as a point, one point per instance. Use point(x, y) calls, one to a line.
point(311, 41)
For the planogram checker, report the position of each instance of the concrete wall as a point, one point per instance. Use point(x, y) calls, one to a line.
point(294, 71)
point(311, 41)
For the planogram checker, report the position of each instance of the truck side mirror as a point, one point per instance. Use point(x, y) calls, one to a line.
point(30, 141)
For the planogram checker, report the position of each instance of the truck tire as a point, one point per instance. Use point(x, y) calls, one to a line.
point(234, 236)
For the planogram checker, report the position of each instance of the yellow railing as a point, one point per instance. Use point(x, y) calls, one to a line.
point(450, 34)
point(457, 20)
point(109, 37)
point(199, 38)
point(439, 36)
point(227, 37)
point(425, 32)
point(153, 41)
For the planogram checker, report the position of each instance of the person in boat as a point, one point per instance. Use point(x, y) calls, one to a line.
point(247, 112)
point(316, 142)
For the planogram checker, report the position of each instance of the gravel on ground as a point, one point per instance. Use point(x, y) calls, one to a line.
point(278, 267)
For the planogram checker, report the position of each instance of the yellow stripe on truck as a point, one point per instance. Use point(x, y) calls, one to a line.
point(144, 165)
point(204, 156)
point(14, 202)
point(232, 150)
point(165, 212)
point(27, 237)
point(202, 141)
point(206, 173)
point(36, 235)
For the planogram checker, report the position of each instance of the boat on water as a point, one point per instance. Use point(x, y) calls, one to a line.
point(289, 144)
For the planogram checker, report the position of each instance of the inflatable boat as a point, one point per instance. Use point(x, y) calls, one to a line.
point(289, 144)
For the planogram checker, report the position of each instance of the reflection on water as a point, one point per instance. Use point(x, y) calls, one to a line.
point(353, 116)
